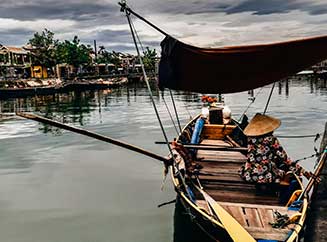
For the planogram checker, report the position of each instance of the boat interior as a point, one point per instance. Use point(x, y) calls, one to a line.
point(219, 177)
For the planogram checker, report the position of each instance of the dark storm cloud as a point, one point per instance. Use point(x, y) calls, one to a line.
point(13, 37)
point(64, 10)
point(258, 7)
point(262, 7)
point(118, 39)
point(101, 20)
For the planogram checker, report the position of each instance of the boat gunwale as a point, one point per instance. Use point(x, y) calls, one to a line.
point(291, 237)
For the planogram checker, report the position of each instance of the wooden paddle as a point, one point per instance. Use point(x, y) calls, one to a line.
point(234, 229)
point(95, 136)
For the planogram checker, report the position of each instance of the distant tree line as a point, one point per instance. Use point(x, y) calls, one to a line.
point(48, 51)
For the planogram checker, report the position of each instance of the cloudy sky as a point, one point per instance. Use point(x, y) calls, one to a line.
point(200, 22)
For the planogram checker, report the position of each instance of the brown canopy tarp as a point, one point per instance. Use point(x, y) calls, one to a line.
point(235, 69)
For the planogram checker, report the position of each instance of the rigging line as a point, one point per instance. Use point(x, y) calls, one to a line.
point(271, 92)
point(299, 136)
point(147, 82)
point(171, 95)
point(177, 118)
point(188, 111)
point(154, 105)
point(171, 117)
point(168, 110)
point(125, 8)
point(247, 108)
point(137, 36)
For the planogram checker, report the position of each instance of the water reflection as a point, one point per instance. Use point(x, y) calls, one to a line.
point(50, 168)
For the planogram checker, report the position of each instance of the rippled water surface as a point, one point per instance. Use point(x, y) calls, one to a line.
point(59, 186)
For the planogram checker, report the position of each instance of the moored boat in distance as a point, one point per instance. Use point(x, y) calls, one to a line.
point(23, 88)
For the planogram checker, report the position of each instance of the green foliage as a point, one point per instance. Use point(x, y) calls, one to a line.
point(43, 48)
point(149, 59)
point(107, 57)
point(73, 53)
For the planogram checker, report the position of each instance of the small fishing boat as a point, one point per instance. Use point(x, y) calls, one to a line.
point(205, 157)
point(225, 206)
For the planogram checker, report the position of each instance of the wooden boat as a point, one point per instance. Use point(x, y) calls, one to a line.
point(218, 200)
point(25, 88)
point(217, 185)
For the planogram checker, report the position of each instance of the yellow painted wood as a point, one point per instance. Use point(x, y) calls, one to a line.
point(234, 229)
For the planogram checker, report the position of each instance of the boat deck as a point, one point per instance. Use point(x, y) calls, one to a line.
point(221, 180)
point(256, 219)
point(220, 176)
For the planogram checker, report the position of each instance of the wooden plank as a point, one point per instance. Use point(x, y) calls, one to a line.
point(253, 217)
point(242, 197)
point(237, 213)
point(245, 187)
point(215, 142)
point(281, 209)
point(273, 234)
point(221, 154)
point(221, 160)
point(216, 131)
point(267, 217)
point(220, 177)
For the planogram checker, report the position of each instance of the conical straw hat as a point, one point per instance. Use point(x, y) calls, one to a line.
point(261, 124)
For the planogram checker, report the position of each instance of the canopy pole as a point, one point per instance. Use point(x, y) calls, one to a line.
point(127, 10)
point(271, 92)
point(172, 99)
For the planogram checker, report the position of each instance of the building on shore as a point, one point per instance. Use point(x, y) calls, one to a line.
point(15, 62)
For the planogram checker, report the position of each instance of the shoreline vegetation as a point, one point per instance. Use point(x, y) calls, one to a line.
point(46, 64)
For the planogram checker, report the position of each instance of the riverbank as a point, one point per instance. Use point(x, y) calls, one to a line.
point(32, 87)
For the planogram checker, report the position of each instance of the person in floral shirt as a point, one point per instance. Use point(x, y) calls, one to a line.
point(267, 161)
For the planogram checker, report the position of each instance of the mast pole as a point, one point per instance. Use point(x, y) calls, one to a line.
point(125, 8)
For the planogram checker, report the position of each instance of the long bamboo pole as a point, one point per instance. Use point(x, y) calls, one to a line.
point(208, 147)
point(320, 166)
point(94, 135)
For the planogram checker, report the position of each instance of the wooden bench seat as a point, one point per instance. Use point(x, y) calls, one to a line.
point(220, 176)
point(255, 218)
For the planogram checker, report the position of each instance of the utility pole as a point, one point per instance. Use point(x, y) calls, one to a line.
point(96, 58)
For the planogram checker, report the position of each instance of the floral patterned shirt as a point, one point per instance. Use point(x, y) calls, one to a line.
point(267, 162)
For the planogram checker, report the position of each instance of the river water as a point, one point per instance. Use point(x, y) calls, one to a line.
point(59, 186)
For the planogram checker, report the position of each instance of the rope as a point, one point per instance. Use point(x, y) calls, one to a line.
point(152, 100)
point(171, 94)
point(171, 117)
point(166, 203)
point(137, 36)
point(271, 92)
point(147, 82)
point(252, 101)
point(177, 118)
point(125, 8)
point(307, 157)
point(301, 136)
